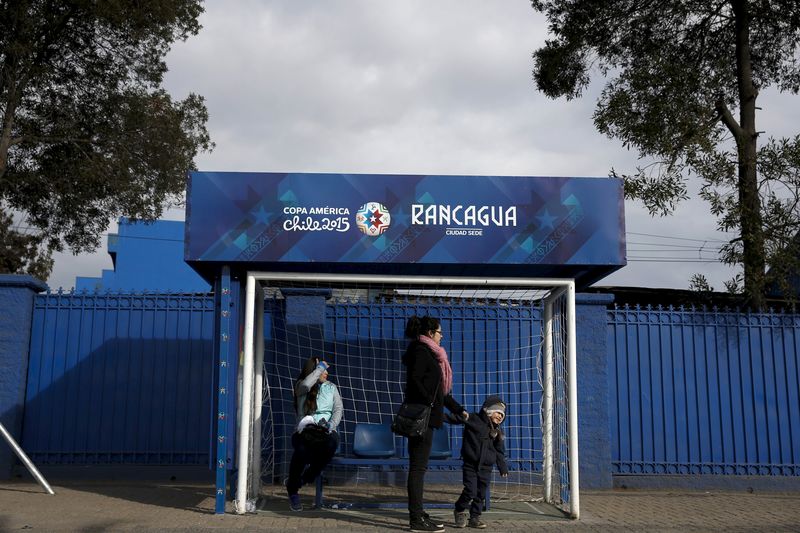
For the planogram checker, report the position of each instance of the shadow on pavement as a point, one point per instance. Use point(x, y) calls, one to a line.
point(195, 498)
point(37, 490)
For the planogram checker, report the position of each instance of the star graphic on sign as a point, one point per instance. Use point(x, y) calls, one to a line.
point(546, 219)
point(261, 215)
point(366, 214)
point(377, 218)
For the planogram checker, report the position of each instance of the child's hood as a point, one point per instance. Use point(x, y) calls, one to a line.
point(493, 400)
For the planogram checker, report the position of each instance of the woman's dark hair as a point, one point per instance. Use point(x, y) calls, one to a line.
point(310, 404)
point(420, 326)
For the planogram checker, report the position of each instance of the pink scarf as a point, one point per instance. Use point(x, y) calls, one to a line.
point(444, 364)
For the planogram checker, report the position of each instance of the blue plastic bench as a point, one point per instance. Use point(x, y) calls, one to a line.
point(373, 445)
point(441, 445)
point(375, 441)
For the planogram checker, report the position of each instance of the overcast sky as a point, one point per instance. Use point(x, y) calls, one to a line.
point(414, 87)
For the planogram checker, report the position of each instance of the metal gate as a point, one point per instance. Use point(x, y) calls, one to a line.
point(704, 392)
point(120, 379)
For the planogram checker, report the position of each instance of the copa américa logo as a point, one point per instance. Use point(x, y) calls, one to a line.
point(373, 219)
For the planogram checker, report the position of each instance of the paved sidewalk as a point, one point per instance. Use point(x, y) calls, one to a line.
point(88, 506)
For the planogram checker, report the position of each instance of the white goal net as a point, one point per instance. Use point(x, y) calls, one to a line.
point(509, 338)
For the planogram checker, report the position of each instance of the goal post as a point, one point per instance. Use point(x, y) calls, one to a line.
point(531, 359)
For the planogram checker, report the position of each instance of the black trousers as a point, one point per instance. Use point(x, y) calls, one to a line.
point(308, 460)
point(419, 451)
point(476, 479)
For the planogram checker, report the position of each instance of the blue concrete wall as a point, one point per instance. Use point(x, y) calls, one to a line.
point(16, 313)
point(147, 257)
point(593, 401)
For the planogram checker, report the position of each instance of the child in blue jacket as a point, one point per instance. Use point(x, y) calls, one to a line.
point(483, 446)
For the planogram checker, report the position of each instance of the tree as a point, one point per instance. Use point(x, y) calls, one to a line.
point(87, 133)
point(676, 73)
point(20, 252)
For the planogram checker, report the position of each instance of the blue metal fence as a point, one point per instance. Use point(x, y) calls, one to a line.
point(704, 392)
point(119, 378)
point(127, 379)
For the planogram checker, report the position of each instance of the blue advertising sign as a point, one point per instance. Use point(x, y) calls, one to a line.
point(376, 223)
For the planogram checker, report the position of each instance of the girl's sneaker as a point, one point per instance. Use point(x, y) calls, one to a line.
point(294, 502)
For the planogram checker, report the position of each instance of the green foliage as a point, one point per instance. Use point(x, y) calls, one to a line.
point(87, 132)
point(699, 283)
point(675, 72)
point(21, 253)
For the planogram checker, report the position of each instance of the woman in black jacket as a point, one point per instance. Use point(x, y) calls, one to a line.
point(429, 381)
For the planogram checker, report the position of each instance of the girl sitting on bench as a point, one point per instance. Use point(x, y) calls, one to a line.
point(315, 440)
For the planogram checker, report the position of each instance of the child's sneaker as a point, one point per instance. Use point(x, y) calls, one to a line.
point(476, 523)
point(294, 502)
point(461, 518)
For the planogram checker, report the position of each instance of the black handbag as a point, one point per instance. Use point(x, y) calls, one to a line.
point(314, 434)
point(412, 419)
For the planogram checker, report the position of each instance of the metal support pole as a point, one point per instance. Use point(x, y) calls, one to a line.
point(25, 460)
point(221, 418)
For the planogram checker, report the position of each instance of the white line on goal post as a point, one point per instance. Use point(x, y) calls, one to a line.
point(564, 285)
point(574, 504)
point(423, 280)
point(240, 503)
point(547, 415)
point(572, 400)
point(258, 391)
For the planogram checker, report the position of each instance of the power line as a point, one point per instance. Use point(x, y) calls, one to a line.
point(670, 260)
point(673, 247)
point(680, 246)
point(675, 238)
point(651, 251)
